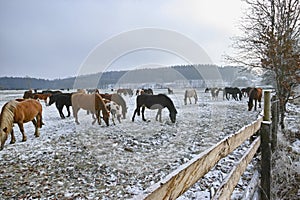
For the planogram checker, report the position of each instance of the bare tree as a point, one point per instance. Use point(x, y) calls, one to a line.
point(271, 41)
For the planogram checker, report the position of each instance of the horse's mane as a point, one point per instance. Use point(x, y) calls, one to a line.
point(7, 114)
point(171, 106)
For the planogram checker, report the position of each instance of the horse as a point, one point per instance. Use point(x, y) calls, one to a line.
point(190, 93)
point(214, 92)
point(170, 91)
point(114, 109)
point(118, 99)
point(41, 96)
point(234, 92)
point(254, 94)
point(246, 91)
point(125, 91)
point(146, 91)
point(28, 94)
point(20, 112)
point(91, 102)
point(61, 100)
point(159, 102)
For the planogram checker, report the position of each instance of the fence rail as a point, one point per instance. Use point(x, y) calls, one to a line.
point(188, 174)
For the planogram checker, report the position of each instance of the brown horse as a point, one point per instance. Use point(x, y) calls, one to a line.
point(91, 102)
point(41, 96)
point(254, 94)
point(20, 112)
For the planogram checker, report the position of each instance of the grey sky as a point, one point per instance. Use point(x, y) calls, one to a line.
point(51, 39)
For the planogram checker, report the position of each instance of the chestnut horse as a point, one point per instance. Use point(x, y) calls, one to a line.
point(254, 94)
point(90, 102)
point(20, 112)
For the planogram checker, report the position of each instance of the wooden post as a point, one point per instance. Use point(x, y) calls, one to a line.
point(267, 105)
point(274, 114)
point(265, 160)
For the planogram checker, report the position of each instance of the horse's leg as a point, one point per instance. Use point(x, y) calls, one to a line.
point(36, 132)
point(21, 127)
point(75, 114)
point(143, 111)
point(97, 113)
point(185, 101)
point(158, 114)
point(12, 137)
point(255, 104)
point(60, 110)
point(190, 100)
point(135, 111)
point(68, 109)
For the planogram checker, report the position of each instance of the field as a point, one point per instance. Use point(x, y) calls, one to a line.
point(117, 162)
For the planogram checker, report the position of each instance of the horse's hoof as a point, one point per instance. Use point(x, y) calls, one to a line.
point(12, 142)
point(24, 140)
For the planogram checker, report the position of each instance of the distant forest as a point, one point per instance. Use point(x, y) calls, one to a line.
point(187, 72)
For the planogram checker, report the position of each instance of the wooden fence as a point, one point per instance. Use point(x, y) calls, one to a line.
point(180, 180)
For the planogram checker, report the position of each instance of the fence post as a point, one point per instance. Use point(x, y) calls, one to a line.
point(265, 160)
point(267, 105)
point(274, 115)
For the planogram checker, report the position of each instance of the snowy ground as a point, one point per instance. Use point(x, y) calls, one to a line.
point(117, 162)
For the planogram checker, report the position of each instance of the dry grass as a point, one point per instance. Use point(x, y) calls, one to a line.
point(286, 166)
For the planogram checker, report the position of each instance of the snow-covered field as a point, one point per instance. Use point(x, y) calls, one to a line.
point(119, 161)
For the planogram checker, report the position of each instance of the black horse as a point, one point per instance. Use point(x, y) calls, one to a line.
point(159, 102)
point(232, 91)
point(246, 91)
point(61, 100)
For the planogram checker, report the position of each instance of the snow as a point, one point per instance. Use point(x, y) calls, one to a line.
point(120, 161)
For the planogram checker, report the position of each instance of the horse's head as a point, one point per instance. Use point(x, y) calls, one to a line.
point(250, 105)
point(3, 137)
point(106, 117)
point(173, 116)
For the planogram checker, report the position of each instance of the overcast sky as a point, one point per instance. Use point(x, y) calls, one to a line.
point(53, 38)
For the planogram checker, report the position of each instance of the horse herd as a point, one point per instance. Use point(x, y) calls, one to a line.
point(29, 108)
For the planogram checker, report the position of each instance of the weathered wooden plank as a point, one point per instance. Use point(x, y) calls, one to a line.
point(188, 174)
point(252, 187)
point(229, 183)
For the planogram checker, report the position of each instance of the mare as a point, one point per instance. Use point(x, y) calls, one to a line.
point(232, 91)
point(214, 92)
point(159, 102)
point(190, 93)
point(20, 112)
point(118, 99)
point(254, 94)
point(91, 102)
point(246, 91)
point(61, 100)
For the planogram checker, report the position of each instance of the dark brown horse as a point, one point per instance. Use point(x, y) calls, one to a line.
point(20, 112)
point(159, 102)
point(255, 95)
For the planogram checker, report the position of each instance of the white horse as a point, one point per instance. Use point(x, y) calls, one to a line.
point(115, 110)
point(190, 93)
